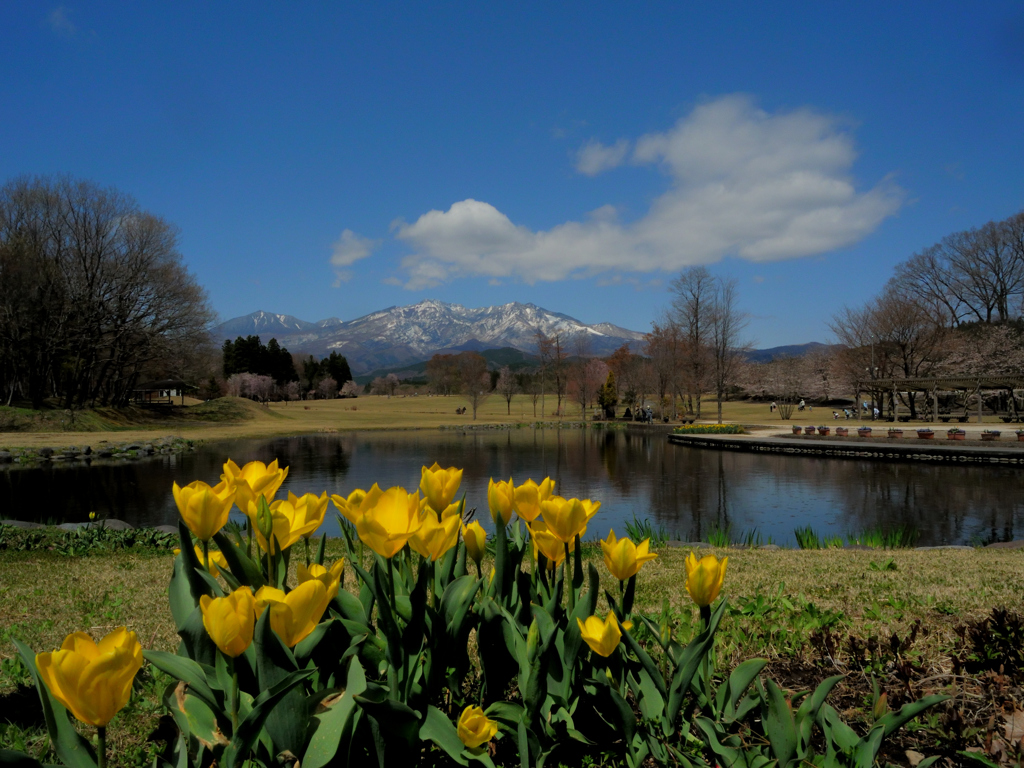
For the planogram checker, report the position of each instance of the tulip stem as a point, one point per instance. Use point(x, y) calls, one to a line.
point(101, 737)
point(705, 622)
point(306, 542)
point(568, 578)
point(234, 696)
point(206, 555)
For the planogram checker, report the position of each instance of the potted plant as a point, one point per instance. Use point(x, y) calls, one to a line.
point(955, 433)
point(1020, 435)
point(990, 434)
point(808, 430)
point(863, 431)
point(824, 430)
point(797, 429)
point(842, 431)
point(895, 432)
point(925, 434)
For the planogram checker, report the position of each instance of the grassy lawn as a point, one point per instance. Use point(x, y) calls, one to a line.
point(785, 605)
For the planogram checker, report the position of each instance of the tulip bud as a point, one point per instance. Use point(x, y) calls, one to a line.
point(264, 519)
point(532, 638)
point(881, 707)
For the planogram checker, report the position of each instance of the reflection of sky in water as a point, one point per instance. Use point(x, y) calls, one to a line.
point(687, 491)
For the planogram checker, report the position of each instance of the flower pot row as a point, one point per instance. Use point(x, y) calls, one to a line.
point(989, 435)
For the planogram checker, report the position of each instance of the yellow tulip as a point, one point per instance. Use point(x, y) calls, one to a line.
point(439, 486)
point(294, 615)
point(92, 680)
point(501, 498)
point(529, 496)
point(453, 510)
point(357, 502)
point(253, 480)
point(390, 523)
point(230, 620)
point(217, 560)
point(567, 518)
point(204, 509)
point(704, 578)
point(545, 543)
point(476, 541)
point(475, 728)
point(330, 577)
point(434, 538)
point(623, 558)
point(292, 519)
point(603, 637)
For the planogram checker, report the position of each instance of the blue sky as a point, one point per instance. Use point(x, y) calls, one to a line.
point(333, 159)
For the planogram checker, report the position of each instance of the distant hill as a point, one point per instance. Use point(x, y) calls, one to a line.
point(791, 350)
point(496, 358)
point(400, 337)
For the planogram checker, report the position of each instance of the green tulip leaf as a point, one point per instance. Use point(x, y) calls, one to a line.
point(243, 568)
point(779, 726)
point(71, 747)
point(321, 550)
point(895, 720)
point(330, 724)
point(12, 759)
point(867, 748)
point(457, 601)
point(275, 664)
point(437, 728)
point(197, 640)
point(739, 681)
point(186, 670)
point(349, 607)
point(690, 662)
point(264, 705)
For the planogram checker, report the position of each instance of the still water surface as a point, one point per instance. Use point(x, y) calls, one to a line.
point(687, 491)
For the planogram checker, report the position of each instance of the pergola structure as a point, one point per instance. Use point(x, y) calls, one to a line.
point(931, 387)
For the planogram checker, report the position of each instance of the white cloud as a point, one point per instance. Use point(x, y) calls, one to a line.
point(60, 22)
point(594, 157)
point(346, 251)
point(743, 182)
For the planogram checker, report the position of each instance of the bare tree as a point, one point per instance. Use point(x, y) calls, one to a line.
point(693, 299)
point(507, 387)
point(664, 346)
point(727, 323)
point(894, 335)
point(350, 389)
point(95, 296)
point(476, 381)
point(443, 374)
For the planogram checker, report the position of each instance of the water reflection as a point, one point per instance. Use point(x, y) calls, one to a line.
point(634, 472)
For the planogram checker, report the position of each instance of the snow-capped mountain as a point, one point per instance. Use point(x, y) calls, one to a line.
point(399, 335)
point(261, 323)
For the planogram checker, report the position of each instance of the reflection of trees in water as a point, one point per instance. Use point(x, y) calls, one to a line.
point(688, 491)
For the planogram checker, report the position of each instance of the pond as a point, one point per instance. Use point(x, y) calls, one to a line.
point(686, 491)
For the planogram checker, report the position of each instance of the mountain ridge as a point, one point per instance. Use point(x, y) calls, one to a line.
point(400, 335)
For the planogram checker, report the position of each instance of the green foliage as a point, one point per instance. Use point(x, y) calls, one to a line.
point(901, 537)
point(638, 530)
point(91, 539)
point(807, 538)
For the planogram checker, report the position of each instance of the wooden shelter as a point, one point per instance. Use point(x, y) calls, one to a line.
point(968, 386)
point(160, 392)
